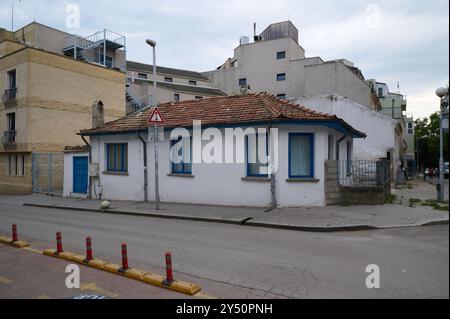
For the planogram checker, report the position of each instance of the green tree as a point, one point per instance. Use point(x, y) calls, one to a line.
point(429, 146)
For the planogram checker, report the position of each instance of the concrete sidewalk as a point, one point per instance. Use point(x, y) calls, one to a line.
point(318, 219)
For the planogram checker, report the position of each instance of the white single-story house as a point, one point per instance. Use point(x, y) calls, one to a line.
point(210, 167)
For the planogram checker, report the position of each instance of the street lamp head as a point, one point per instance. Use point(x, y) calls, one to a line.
point(151, 43)
point(441, 92)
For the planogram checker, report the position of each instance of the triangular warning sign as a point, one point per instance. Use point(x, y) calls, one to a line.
point(156, 117)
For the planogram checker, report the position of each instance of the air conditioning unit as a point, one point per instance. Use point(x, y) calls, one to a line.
point(94, 169)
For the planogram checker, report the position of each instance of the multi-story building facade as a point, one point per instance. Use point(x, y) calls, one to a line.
point(394, 105)
point(47, 97)
point(171, 85)
point(276, 63)
point(410, 153)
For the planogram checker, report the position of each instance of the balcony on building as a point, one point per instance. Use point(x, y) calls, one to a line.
point(9, 140)
point(9, 97)
point(404, 103)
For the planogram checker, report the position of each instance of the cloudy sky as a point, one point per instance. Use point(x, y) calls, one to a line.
point(405, 41)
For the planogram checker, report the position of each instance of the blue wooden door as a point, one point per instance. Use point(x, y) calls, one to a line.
point(80, 174)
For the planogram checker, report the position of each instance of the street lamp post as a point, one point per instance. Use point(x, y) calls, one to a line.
point(441, 93)
point(152, 43)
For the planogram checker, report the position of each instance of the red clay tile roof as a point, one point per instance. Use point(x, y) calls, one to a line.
point(238, 109)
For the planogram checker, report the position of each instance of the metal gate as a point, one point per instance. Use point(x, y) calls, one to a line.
point(48, 173)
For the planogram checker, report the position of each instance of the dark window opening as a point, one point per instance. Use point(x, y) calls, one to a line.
point(281, 55)
point(281, 77)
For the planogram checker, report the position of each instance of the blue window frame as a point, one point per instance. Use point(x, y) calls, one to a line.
point(256, 167)
point(117, 157)
point(281, 76)
point(182, 167)
point(301, 155)
point(242, 82)
point(281, 55)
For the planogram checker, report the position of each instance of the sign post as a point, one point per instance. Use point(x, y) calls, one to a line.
point(156, 119)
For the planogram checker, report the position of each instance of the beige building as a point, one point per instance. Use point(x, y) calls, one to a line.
point(276, 63)
point(46, 98)
point(171, 84)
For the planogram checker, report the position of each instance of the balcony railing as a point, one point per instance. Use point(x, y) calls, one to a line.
point(10, 94)
point(9, 137)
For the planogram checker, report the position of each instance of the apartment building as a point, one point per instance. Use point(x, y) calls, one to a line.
point(276, 63)
point(172, 85)
point(47, 96)
point(410, 153)
point(394, 105)
point(105, 47)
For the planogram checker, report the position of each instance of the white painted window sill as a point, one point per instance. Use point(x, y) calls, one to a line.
point(256, 179)
point(303, 180)
point(181, 175)
point(115, 173)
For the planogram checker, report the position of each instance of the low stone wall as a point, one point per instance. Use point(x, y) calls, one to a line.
point(362, 195)
point(335, 194)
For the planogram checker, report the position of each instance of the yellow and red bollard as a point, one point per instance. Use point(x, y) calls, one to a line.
point(89, 254)
point(124, 257)
point(14, 233)
point(169, 272)
point(59, 246)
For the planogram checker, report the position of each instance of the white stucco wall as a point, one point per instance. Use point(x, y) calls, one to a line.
point(68, 174)
point(380, 130)
point(218, 184)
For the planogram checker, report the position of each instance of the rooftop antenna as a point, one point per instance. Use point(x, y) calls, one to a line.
point(254, 29)
point(12, 15)
point(398, 86)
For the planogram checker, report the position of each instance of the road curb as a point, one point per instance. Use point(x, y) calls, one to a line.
point(153, 215)
point(245, 222)
point(18, 244)
point(132, 273)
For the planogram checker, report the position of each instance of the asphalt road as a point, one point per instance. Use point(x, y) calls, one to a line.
point(247, 262)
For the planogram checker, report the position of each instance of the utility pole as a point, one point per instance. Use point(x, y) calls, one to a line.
point(156, 138)
point(442, 93)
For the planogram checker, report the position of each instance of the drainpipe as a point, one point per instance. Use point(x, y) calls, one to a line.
point(144, 144)
point(272, 173)
point(90, 162)
point(339, 142)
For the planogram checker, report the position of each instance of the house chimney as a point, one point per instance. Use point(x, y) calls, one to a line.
point(98, 115)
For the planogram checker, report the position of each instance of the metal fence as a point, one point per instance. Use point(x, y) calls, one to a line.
point(363, 172)
point(48, 173)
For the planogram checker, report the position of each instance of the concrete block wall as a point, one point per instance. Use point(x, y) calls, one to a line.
point(333, 195)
